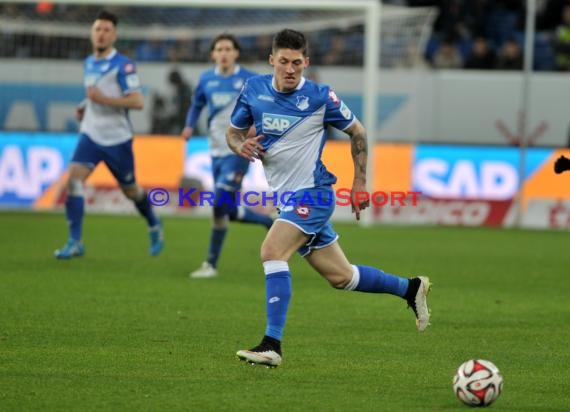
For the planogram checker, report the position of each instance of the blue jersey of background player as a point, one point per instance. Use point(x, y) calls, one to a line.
point(218, 89)
point(112, 87)
point(290, 115)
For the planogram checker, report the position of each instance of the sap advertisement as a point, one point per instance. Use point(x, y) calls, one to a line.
point(30, 164)
point(459, 185)
point(473, 172)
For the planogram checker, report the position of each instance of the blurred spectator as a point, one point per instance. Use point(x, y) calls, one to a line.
point(447, 56)
point(482, 57)
point(510, 56)
point(181, 52)
point(181, 100)
point(263, 47)
point(450, 22)
point(476, 14)
point(412, 60)
point(151, 50)
point(561, 42)
point(551, 16)
point(336, 52)
point(160, 119)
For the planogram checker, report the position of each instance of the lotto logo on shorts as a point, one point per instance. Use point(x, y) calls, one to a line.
point(303, 211)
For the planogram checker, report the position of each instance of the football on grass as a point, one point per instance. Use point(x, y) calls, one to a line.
point(477, 382)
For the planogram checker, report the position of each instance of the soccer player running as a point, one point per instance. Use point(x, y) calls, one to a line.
point(218, 88)
point(112, 88)
point(290, 114)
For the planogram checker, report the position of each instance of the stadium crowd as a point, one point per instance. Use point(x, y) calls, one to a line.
point(467, 34)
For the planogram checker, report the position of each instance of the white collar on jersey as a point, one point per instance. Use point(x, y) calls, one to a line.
point(301, 84)
point(109, 56)
point(236, 70)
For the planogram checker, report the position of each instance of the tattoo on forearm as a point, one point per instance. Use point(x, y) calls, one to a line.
point(359, 149)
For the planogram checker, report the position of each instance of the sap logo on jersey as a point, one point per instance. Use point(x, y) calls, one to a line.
point(222, 99)
point(278, 124)
point(491, 180)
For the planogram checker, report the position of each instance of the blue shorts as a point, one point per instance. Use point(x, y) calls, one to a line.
point(229, 172)
point(310, 211)
point(118, 158)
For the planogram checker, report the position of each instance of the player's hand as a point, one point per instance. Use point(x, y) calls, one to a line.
point(359, 197)
point(95, 95)
point(251, 148)
point(79, 112)
point(187, 133)
point(561, 165)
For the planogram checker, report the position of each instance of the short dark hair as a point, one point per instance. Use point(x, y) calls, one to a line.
point(107, 15)
point(290, 39)
point(225, 36)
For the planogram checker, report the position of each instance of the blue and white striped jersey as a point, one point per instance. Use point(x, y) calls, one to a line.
point(115, 76)
point(294, 126)
point(219, 93)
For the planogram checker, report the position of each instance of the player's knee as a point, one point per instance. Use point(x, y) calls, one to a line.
point(134, 193)
point(74, 187)
point(338, 280)
point(220, 222)
point(270, 252)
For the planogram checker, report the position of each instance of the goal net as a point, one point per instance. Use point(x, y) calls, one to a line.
point(60, 30)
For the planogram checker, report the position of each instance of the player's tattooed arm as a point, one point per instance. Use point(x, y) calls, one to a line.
point(359, 150)
point(243, 144)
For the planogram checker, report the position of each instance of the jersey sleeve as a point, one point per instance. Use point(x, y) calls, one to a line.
point(128, 77)
point(337, 114)
point(242, 117)
point(198, 104)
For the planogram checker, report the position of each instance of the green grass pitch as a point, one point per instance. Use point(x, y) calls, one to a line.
point(119, 330)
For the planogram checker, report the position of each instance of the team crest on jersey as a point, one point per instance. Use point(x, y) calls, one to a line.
point(277, 124)
point(302, 102)
point(129, 68)
point(303, 211)
point(334, 97)
point(222, 99)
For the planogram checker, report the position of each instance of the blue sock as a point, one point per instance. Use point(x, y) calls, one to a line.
point(74, 210)
point(374, 280)
point(247, 215)
point(145, 209)
point(278, 295)
point(216, 241)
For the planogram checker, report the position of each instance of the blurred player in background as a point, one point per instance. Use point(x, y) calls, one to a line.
point(290, 119)
point(218, 88)
point(561, 165)
point(112, 87)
